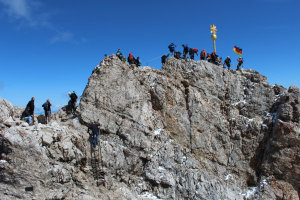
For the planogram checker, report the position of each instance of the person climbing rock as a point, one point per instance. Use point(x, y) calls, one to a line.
point(130, 59)
point(26, 116)
point(172, 47)
point(47, 109)
point(192, 52)
point(164, 58)
point(72, 102)
point(203, 55)
point(240, 62)
point(227, 62)
point(185, 51)
point(137, 62)
point(30, 105)
point(94, 127)
point(119, 54)
point(177, 54)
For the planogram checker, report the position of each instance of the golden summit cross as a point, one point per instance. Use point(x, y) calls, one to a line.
point(213, 30)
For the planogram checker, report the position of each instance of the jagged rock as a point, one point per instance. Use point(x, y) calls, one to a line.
point(192, 130)
point(6, 110)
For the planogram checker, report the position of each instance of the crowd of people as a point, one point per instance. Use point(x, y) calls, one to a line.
point(28, 113)
point(186, 52)
point(212, 58)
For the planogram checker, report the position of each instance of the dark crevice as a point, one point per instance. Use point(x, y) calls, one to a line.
point(187, 99)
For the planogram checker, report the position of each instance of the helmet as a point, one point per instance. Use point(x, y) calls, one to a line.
point(240, 57)
point(203, 49)
point(228, 57)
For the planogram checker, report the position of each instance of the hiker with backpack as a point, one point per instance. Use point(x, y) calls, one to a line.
point(119, 54)
point(47, 109)
point(208, 57)
point(164, 58)
point(185, 51)
point(72, 102)
point(240, 62)
point(94, 127)
point(203, 55)
point(137, 62)
point(131, 59)
point(213, 57)
point(227, 62)
point(192, 52)
point(172, 47)
point(27, 116)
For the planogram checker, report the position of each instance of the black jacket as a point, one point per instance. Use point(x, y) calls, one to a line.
point(73, 97)
point(94, 128)
point(227, 61)
point(30, 105)
point(47, 106)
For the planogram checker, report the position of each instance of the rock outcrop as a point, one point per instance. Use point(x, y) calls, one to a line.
point(192, 130)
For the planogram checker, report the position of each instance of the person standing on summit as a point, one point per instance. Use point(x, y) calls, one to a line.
point(203, 55)
point(192, 52)
point(240, 62)
point(185, 51)
point(227, 62)
point(119, 54)
point(172, 47)
point(131, 59)
point(47, 109)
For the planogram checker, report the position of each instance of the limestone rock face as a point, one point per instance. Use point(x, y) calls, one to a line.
point(192, 130)
point(6, 110)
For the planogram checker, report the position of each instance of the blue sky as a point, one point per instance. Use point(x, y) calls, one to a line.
point(50, 47)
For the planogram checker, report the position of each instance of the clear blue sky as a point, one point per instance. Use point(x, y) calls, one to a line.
point(50, 47)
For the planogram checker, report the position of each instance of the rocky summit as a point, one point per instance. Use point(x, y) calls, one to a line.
point(192, 130)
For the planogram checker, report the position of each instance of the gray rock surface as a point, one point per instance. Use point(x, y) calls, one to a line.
point(192, 130)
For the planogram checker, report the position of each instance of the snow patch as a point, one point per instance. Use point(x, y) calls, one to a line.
point(228, 176)
point(157, 132)
point(149, 196)
point(237, 103)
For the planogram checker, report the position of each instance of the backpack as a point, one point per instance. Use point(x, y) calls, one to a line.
point(195, 50)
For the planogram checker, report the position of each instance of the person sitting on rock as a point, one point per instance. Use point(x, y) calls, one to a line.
point(72, 102)
point(26, 116)
point(131, 59)
point(119, 54)
point(240, 62)
point(227, 62)
point(172, 47)
point(94, 127)
point(185, 51)
point(203, 55)
point(192, 52)
point(137, 62)
point(47, 109)
point(164, 58)
point(177, 54)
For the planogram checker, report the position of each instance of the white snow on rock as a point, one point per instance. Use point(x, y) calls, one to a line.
point(149, 196)
point(157, 132)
